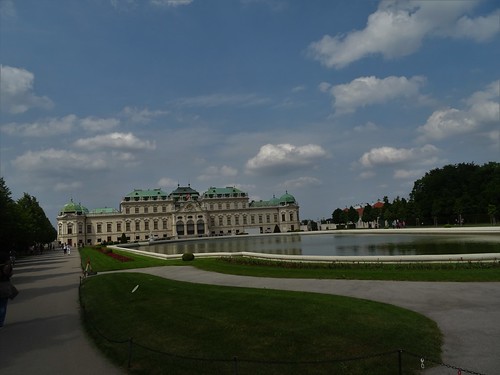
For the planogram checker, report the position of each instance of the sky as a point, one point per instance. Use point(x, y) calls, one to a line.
point(338, 103)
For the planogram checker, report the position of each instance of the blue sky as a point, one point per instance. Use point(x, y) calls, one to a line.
point(337, 102)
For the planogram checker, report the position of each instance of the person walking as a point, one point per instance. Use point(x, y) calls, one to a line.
point(7, 289)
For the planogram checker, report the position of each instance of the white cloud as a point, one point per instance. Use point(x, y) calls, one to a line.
point(218, 100)
point(59, 161)
point(68, 186)
point(405, 174)
point(58, 126)
point(44, 128)
point(302, 182)
point(365, 91)
point(214, 172)
point(17, 91)
point(166, 182)
point(389, 155)
point(142, 116)
point(368, 127)
point(482, 110)
point(171, 3)
point(93, 124)
point(398, 28)
point(120, 141)
point(282, 158)
point(479, 29)
point(324, 86)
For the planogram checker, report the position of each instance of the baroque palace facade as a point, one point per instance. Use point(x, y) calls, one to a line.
point(184, 213)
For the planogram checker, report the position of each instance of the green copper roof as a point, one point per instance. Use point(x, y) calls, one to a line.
point(105, 210)
point(226, 192)
point(73, 208)
point(184, 193)
point(140, 194)
point(287, 198)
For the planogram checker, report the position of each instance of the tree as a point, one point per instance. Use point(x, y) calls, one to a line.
point(37, 228)
point(367, 214)
point(9, 228)
point(339, 216)
point(352, 215)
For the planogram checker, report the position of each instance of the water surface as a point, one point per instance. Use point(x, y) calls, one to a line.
point(336, 244)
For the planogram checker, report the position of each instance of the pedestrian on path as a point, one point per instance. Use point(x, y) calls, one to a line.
point(7, 289)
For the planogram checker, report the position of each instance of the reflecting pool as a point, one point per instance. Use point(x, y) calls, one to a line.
point(336, 244)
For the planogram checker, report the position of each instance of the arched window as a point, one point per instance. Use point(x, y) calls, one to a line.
point(190, 227)
point(179, 227)
point(200, 227)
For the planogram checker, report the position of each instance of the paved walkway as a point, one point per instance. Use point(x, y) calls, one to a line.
point(42, 332)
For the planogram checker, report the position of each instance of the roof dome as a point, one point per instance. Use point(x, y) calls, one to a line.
point(73, 208)
point(287, 199)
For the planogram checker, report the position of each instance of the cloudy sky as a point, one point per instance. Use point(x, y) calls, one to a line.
point(336, 102)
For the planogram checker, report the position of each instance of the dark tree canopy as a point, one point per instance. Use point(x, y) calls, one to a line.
point(458, 191)
point(455, 194)
point(23, 223)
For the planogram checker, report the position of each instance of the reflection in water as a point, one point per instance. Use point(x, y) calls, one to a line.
point(336, 244)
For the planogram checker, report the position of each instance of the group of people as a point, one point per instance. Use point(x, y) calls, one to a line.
point(66, 249)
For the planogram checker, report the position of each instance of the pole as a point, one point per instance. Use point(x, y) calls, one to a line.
point(400, 361)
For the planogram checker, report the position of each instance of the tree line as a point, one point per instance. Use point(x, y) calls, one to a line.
point(458, 194)
point(23, 223)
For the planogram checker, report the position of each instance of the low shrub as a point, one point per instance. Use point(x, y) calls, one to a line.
point(187, 257)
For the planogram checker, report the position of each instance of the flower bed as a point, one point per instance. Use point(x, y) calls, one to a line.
point(109, 252)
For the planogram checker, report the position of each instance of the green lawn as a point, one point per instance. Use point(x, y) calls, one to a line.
point(256, 326)
point(461, 272)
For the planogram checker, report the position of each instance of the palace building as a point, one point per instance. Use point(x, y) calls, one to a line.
point(147, 215)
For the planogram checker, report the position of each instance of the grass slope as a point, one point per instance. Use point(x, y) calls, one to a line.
point(212, 322)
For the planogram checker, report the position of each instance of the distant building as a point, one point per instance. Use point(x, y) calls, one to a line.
point(184, 213)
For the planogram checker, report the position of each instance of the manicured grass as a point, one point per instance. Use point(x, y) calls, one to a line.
point(464, 271)
point(213, 322)
point(101, 262)
point(460, 272)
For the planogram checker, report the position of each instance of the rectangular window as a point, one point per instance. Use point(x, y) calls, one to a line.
point(70, 230)
point(228, 206)
point(137, 226)
point(283, 217)
point(127, 226)
point(89, 228)
point(229, 221)
point(164, 224)
point(137, 210)
point(220, 206)
point(252, 219)
point(146, 210)
point(118, 227)
point(127, 210)
point(108, 227)
point(80, 228)
point(99, 228)
point(268, 218)
point(146, 225)
point(275, 218)
point(244, 220)
point(221, 222)
point(164, 208)
point(291, 216)
point(237, 220)
point(155, 225)
point(260, 219)
point(155, 209)
point(212, 221)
